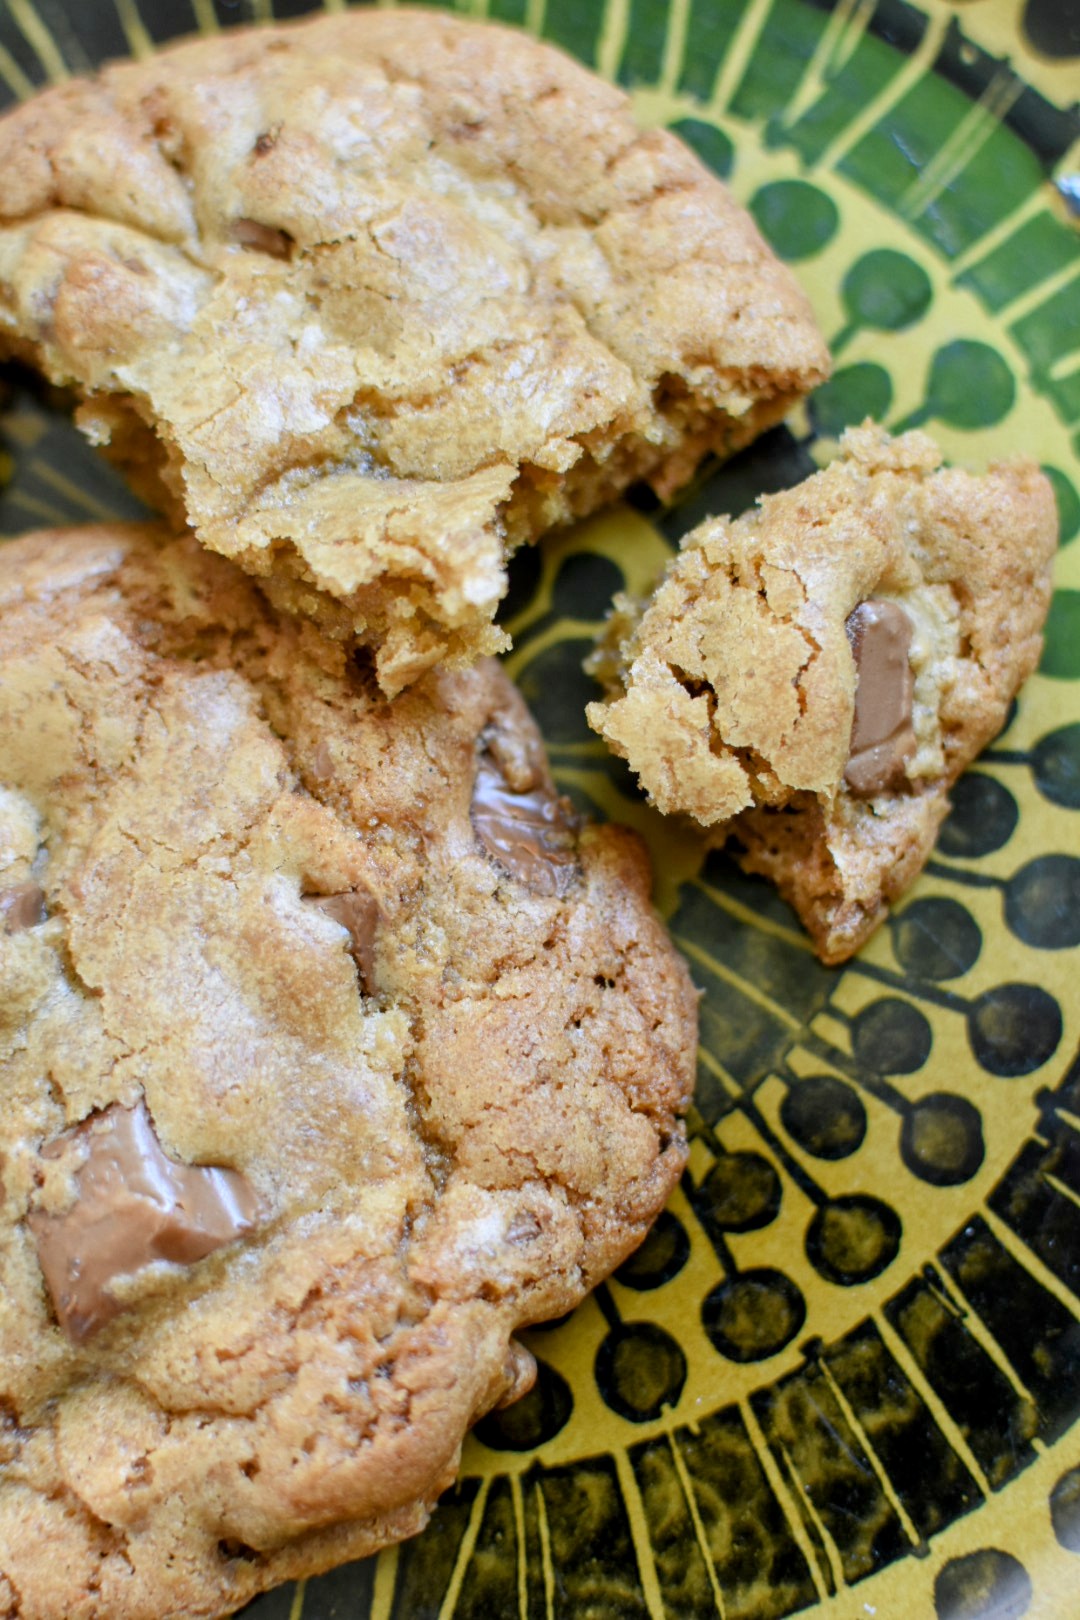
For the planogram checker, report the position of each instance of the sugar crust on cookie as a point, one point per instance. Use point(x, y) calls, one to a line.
point(731, 689)
point(374, 298)
point(268, 908)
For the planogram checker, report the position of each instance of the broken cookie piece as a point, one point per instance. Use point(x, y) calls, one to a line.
point(132, 1206)
point(370, 300)
point(810, 679)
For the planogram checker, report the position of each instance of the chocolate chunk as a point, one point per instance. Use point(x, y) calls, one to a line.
point(21, 906)
point(357, 911)
point(882, 737)
point(524, 823)
point(264, 238)
point(133, 1206)
point(266, 141)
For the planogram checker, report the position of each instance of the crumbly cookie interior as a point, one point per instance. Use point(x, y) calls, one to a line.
point(372, 300)
point(731, 689)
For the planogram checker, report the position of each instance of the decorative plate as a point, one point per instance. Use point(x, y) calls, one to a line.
point(842, 1377)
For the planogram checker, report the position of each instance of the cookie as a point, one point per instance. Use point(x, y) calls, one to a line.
point(335, 1050)
point(811, 678)
point(373, 299)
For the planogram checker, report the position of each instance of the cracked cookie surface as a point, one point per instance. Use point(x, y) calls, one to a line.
point(334, 1048)
point(371, 299)
point(885, 584)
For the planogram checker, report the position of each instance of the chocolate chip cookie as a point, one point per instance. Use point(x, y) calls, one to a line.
point(372, 299)
point(810, 679)
point(335, 1049)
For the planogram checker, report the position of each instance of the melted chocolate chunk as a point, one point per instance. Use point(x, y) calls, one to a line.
point(21, 906)
point(263, 238)
point(525, 825)
point(357, 911)
point(133, 1206)
point(266, 141)
point(882, 737)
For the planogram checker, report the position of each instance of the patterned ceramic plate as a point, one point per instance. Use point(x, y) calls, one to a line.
point(842, 1377)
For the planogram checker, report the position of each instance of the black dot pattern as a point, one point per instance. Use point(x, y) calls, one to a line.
point(1065, 1510)
point(754, 1315)
point(825, 1116)
point(941, 1139)
point(891, 1036)
point(1055, 766)
point(1042, 903)
point(535, 1418)
point(936, 938)
point(984, 1585)
point(852, 1239)
point(741, 1193)
point(1014, 1029)
point(662, 1255)
point(640, 1370)
point(983, 817)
